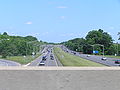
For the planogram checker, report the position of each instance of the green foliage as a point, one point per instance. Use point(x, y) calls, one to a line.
point(100, 37)
point(70, 60)
point(18, 46)
point(119, 35)
point(96, 38)
point(76, 44)
point(5, 33)
point(30, 38)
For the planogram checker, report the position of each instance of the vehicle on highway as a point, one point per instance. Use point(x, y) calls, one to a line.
point(88, 55)
point(42, 63)
point(117, 61)
point(51, 57)
point(44, 58)
point(74, 53)
point(104, 58)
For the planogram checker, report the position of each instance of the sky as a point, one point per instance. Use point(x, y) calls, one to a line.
point(59, 20)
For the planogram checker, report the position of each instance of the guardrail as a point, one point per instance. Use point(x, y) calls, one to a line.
point(59, 78)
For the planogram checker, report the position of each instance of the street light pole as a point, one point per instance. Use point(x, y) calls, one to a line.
point(100, 45)
point(117, 48)
point(103, 51)
point(93, 49)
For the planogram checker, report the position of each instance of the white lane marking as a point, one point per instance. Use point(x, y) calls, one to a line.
point(27, 65)
point(47, 61)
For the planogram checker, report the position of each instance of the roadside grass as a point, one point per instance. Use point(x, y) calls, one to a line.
point(21, 59)
point(70, 60)
point(111, 56)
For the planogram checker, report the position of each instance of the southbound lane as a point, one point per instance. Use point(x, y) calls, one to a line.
point(98, 59)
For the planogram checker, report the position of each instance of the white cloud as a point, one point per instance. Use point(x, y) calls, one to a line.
point(111, 28)
point(70, 35)
point(29, 23)
point(45, 33)
point(62, 7)
point(51, 2)
point(62, 17)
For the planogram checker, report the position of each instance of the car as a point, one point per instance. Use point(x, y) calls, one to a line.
point(104, 58)
point(74, 53)
point(44, 58)
point(51, 55)
point(117, 61)
point(52, 58)
point(42, 63)
point(88, 55)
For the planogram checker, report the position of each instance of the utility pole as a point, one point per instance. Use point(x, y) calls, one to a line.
point(93, 49)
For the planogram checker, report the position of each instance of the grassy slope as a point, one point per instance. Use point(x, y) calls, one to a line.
point(111, 56)
point(71, 60)
point(21, 59)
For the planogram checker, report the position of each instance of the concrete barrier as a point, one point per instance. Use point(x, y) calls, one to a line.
point(59, 78)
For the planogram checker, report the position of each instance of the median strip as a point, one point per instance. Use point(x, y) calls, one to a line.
point(70, 60)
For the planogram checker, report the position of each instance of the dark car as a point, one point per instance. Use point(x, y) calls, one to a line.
point(52, 58)
point(117, 61)
point(44, 58)
point(51, 55)
point(74, 53)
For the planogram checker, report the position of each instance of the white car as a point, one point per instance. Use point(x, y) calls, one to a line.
point(104, 58)
point(42, 63)
point(88, 55)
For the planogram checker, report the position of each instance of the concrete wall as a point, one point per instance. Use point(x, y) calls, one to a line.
point(35, 78)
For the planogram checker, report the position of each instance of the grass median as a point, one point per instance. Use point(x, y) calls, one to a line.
point(21, 59)
point(70, 60)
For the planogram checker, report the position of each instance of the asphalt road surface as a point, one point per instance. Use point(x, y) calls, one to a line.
point(98, 59)
point(8, 63)
point(47, 52)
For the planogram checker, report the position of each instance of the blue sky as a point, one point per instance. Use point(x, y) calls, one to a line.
point(59, 20)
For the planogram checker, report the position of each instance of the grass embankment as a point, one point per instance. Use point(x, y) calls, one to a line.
point(21, 59)
point(70, 60)
point(111, 56)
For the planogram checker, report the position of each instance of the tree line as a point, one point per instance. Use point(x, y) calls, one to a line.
point(18, 45)
point(95, 40)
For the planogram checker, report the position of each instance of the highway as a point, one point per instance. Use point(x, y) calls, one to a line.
point(50, 59)
point(108, 62)
point(8, 63)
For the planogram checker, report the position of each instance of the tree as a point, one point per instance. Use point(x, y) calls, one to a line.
point(99, 37)
point(17, 45)
point(30, 38)
point(94, 37)
point(76, 44)
point(119, 35)
point(5, 33)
